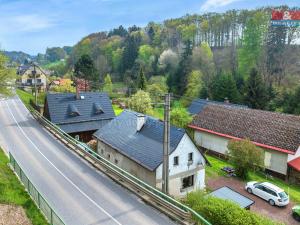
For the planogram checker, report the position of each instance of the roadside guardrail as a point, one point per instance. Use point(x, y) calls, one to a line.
point(34, 193)
point(153, 196)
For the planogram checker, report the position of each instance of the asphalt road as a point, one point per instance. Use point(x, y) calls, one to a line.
point(79, 194)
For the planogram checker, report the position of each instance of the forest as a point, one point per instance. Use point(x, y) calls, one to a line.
point(236, 56)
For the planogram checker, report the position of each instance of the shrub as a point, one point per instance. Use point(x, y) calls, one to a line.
point(224, 212)
point(245, 156)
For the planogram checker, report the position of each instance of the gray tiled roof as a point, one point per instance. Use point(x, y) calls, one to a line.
point(144, 146)
point(60, 106)
point(83, 126)
point(198, 104)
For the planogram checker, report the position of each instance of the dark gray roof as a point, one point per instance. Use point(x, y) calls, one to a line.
point(78, 115)
point(144, 146)
point(83, 126)
point(197, 105)
point(227, 193)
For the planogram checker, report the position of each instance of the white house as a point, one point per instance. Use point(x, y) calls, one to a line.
point(26, 77)
point(277, 134)
point(134, 142)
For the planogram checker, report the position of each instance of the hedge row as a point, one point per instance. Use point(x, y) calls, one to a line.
point(224, 212)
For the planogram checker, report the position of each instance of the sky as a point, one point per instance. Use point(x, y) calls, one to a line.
point(33, 25)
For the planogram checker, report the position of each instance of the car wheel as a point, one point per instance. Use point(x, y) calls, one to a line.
point(249, 190)
point(271, 202)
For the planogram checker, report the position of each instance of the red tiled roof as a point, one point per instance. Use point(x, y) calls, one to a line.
point(295, 163)
point(276, 131)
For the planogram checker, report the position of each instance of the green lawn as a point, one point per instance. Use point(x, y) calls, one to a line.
point(12, 192)
point(217, 164)
point(26, 96)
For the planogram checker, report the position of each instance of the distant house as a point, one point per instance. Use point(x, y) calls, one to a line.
point(80, 114)
point(26, 78)
point(276, 133)
point(198, 104)
point(134, 142)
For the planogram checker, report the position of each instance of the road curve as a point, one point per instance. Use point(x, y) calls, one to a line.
point(79, 194)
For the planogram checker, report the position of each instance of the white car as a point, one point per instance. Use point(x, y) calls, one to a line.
point(269, 192)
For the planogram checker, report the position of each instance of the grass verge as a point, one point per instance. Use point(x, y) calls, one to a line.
point(13, 192)
point(217, 164)
point(26, 96)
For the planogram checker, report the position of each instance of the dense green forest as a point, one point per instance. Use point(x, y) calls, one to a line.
point(237, 55)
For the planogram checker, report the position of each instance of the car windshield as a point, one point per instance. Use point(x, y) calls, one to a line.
point(283, 195)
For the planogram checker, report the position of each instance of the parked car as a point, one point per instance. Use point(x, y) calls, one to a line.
point(269, 192)
point(296, 212)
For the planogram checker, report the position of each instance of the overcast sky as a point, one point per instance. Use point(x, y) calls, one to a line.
point(33, 25)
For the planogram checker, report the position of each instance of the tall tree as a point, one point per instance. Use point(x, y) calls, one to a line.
point(142, 82)
point(85, 69)
point(255, 95)
point(177, 82)
point(249, 55)
point(108, 86)
point(224, 87)
point(193, 88)
point(130, 52)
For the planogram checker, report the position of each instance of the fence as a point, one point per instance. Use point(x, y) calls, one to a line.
point(39, 200)
point(168, 202)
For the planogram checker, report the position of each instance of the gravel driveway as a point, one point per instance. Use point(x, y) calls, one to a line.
point(260, 206)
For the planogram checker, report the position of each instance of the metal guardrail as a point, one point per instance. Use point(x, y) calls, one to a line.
point(39, 200)
point(153, 192)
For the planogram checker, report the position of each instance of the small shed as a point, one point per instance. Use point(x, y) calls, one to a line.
point(227, 193)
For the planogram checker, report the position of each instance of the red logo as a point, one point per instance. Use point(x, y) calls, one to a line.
point(285, 15)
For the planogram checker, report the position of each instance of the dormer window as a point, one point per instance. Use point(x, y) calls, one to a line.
point(98, 109)
point(73, 111)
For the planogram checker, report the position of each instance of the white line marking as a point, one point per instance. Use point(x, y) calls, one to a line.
point(85, 195)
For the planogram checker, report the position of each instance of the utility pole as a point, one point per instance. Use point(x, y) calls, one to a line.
point(166, 146)
point(35, 91)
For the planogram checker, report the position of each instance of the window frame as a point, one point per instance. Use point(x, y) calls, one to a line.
point(176, 162)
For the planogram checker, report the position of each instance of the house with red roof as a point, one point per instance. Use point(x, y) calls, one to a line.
point(277, 134)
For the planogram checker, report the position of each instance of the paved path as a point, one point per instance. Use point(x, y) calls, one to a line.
point(282, 214)
point(80, 194)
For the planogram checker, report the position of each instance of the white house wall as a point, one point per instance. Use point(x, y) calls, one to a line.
point(274, 160)
point(182, 170)
point(211, 142)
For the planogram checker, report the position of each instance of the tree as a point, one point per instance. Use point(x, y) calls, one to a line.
point(252, 157)
point(85, 69)
point(6, 75)
point(157, 88)
point(249, 55)
point(177, 82)
point(55, 54)
point(140, 102)
point(180, 117)
point(142, 82)
point(203, 59)
point(193, 88)
point(131, 48)
point(255, 95)
point(107, 87)
point(224, 87)
point(65, 86)
point(168, 61)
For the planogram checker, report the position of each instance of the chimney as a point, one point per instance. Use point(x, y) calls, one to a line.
point(77, 92)
point(141, 119)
